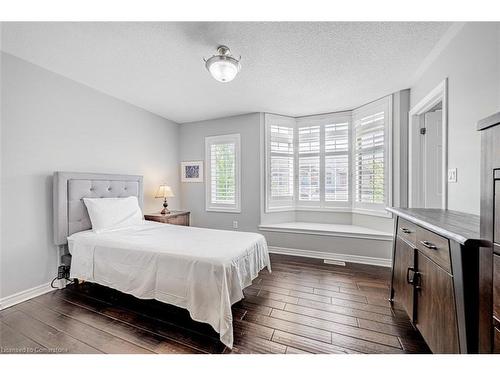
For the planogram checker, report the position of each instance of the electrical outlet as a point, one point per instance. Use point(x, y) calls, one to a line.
point(452, 175)
point(235, 224)
point(63, 272)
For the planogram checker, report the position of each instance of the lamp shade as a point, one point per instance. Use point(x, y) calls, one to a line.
point(223, 66)
point(223, 69)
point(164, 191)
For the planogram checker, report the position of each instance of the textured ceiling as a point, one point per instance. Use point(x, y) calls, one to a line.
point(288, 68)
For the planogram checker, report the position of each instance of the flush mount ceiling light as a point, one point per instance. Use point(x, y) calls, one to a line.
point(223, 67)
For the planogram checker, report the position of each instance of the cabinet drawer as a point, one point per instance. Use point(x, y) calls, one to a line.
point(179, 220)
point(407, 231)
point(496, 286)
point(435, 247)
point(158, 219)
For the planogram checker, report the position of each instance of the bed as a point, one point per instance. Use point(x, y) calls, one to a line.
point(201, 270)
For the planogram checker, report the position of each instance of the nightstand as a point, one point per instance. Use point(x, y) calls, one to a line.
point(174, 217)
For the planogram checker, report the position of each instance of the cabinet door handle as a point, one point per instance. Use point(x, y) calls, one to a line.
point(408, 280)
point(405, 230)
point(417, 280)
point(428, 245)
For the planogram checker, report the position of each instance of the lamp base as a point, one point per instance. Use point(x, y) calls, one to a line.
point(165, 209)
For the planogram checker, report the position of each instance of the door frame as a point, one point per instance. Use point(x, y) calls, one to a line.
point(415, 150)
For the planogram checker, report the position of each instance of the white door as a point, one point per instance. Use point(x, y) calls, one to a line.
point(432, 160)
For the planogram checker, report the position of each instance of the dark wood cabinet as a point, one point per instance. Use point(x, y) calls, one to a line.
point(496, 304)
point(436, 317)
point(435, 276)
point(404, 272)
point(496, 287)
point(489, 290)
point(496, 228)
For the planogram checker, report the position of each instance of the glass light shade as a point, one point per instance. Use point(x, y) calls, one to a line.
point(164, 191)
point(223, 68)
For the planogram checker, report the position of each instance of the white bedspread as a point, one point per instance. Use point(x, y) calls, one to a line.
point(201, 270)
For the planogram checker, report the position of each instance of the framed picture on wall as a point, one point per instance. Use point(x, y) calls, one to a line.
point(192, 171)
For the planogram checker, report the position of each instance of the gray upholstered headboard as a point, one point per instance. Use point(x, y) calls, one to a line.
point(70, 213)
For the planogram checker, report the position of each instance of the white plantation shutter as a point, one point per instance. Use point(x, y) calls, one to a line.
point(223, 172)
point(281, 169)
point(280, 162)
point(332, 162)
point(223, 181)
point(309, 163)
point(370, 158)
point(337, 162)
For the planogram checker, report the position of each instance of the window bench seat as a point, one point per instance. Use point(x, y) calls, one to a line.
point(322, 229)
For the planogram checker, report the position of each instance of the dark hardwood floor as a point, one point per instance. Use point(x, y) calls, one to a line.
point(304, 306)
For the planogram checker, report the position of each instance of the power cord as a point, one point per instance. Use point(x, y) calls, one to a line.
point(71, 281)
point(62, 274)
point(52, 283)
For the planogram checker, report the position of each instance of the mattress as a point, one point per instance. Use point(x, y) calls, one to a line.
point(201, 270)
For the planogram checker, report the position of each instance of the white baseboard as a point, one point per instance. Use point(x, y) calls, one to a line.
point(331, 256)
point(25, 295)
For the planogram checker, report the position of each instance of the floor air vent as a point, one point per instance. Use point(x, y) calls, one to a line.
point(335, 262)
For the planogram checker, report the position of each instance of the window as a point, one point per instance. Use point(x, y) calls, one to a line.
point(281, 162)
point(307, 162)
point(309, 168)
point(323, 162)
point(222, 155)
point(371, 155)
point(337, 161)
point(280, 168)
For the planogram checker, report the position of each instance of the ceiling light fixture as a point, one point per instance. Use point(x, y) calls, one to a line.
point(223, 66)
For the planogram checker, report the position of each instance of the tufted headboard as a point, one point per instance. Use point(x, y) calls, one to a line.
point(70, 213)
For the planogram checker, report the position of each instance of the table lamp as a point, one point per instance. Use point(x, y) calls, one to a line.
point(164, 191)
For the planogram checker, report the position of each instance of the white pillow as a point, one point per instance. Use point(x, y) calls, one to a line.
point(108, 214)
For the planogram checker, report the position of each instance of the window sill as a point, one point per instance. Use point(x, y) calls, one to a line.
point(228, 210)
point(357, 211)
point(323, 209)
point(321, 229)
point(279, 209)
point(378, 213)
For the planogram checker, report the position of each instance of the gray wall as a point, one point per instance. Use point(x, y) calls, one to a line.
point(192, 147)
point(472, 64)
point(51, 123)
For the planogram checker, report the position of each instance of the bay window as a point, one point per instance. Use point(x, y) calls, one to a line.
point(333, 162)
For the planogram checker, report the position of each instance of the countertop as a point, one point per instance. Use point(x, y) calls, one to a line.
point(458, 226)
